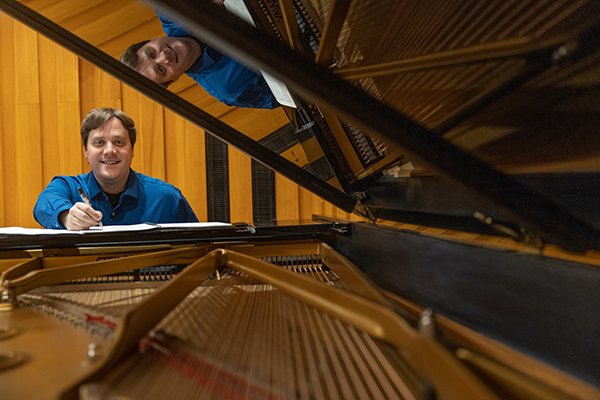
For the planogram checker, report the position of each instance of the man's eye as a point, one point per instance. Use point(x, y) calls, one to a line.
point(151, 53)
point(162, 70)
point(98, 143)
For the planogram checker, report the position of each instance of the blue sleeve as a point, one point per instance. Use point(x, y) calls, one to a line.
point(185, 212)
point(171, 28)
point(51, 202)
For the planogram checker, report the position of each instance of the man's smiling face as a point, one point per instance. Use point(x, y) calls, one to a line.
point(109, 153)
point(164, 59)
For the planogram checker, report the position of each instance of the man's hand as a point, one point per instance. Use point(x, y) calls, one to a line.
point(79, 217)
point(219, 2)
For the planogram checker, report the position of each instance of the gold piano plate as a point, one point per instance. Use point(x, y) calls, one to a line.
point(229, 325)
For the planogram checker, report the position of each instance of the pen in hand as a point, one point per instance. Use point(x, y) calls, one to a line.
point(86, 200)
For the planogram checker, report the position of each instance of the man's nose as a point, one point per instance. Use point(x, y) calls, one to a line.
point(164, 57)
point(109, 148)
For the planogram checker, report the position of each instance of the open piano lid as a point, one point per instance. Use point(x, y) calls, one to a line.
point(488, 87)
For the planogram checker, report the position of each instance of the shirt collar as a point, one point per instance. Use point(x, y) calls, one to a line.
point(131, 187)
point(93, 186)
point(206, 60)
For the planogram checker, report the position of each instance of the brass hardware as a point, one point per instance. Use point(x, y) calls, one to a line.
point(12, 359)
point(7, 299)
point(426, 323)
point(6, 333)
point(94, 351)
point(35, 253)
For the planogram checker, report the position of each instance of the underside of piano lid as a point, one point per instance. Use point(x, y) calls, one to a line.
point(512, 84)
point(474, 115)
point(493, 106)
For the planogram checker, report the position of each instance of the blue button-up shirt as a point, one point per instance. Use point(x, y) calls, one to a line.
point(144, 199)
point(227, 80)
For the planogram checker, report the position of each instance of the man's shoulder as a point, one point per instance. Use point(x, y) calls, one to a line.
point(71, 179)
point(171, 28)
point(155, 183)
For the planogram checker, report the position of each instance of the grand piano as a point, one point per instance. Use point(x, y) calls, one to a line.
point(474, 116)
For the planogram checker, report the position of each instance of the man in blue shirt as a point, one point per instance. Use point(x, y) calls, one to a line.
point(118, 195)
point(164, 59)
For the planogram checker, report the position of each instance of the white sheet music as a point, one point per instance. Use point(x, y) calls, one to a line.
point(148, 226)
point(280, 91)
point(120, 228)
point(194, 225)
point(16, 230)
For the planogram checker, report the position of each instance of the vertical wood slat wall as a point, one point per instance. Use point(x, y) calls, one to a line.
point(45, 91)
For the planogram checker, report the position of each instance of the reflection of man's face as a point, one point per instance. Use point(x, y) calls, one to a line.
point(164, 59)
point(109, 153)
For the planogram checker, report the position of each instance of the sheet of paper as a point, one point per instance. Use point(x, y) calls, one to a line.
point(194, 225)
point(280, 91)
point(149, 225)
point(120, 228)
point(17, 230)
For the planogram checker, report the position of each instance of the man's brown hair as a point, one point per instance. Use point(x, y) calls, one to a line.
point(132, 60)
point(130, 56)
point(100, 116)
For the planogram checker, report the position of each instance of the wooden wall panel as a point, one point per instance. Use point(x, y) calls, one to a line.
point(56, 10)
point(26, 65)
point(149, 151)
point(114, 18)
point(196, 95)
point(27, 149)
point(255, 124)
point(185, 160)
point(108, 91)
point(240, 186)
point(28, 166)
point(286, 199)
point(101, 20)
point(59, 101)
point(98, 89)
point(148, 30)
point(327, 209)
point(87, 73)
point(309, 204)
point(8, 126)
point(40, 4)
point(87, 90)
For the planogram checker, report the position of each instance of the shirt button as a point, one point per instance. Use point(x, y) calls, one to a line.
point(113, 214)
